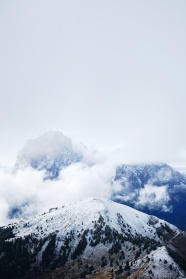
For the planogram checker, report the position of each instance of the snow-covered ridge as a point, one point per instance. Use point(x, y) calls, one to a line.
point(156, 174)
point(82, 214)
point(96, 235)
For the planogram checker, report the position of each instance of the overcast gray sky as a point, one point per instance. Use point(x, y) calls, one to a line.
point(107, 73)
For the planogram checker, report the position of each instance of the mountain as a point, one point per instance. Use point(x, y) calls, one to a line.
point(50, 152)
point(155, 189)
point(92, 238)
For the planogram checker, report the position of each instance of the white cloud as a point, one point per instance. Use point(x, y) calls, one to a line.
point(88, 80)
point(154, 197)
point(28, 189)
point(164, 174)
point(126, 198)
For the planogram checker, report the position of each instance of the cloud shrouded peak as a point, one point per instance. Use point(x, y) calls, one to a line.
point(51, 152)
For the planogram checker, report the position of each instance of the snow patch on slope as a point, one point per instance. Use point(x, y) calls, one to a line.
point(159, 263)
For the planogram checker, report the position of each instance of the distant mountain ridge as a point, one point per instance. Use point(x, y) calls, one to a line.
point(155, 174)
point(154, 189)
point(92, 238)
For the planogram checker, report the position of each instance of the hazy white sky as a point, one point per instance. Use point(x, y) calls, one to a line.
point(107, 73)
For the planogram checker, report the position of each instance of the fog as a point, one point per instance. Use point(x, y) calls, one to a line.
point(109, 74)
point(29, 193)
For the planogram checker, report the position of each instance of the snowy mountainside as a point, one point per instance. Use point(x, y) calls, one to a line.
point(51, 152)
point(81, 214)
point(155, 189)
point(155, 174)
point(157, 264)
point(91, 237)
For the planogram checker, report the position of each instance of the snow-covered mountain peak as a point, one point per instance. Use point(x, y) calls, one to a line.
point(51, 152)
point(84, 213)
point(94, 236)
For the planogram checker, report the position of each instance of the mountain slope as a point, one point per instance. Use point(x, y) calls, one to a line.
point(155, 265)
point(50, 152)
point(92, 237)
point(154, 189)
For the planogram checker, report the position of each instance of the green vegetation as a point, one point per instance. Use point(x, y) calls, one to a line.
point(80, 247)
point(49, 251)
point(6, 233)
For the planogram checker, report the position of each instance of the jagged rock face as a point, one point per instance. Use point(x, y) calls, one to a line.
point(154, 189)
point(139, 175)
point(50, 152)
point(96, 238)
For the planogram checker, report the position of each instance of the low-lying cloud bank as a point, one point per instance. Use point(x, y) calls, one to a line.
point(150, 196)
point(154, 197)
point(25, 192)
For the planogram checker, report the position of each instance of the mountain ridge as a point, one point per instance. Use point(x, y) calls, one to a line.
point(156, 189)
point(91, 237)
